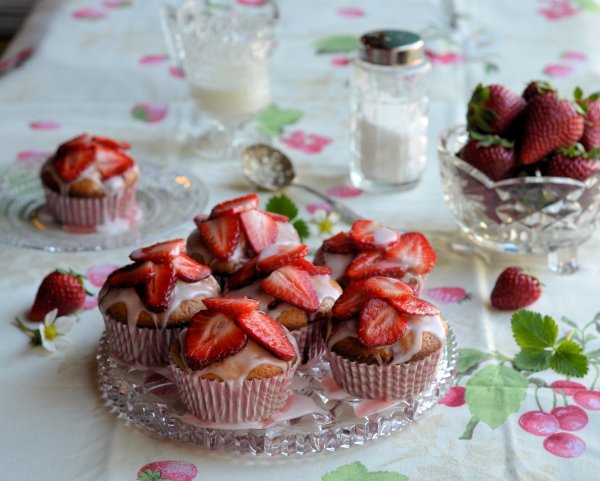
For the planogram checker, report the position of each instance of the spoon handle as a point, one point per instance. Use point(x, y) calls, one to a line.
point(346, 214)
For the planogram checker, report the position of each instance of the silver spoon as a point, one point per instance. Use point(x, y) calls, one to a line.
point(270, 169)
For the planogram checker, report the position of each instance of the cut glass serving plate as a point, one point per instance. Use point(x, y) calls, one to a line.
point(320, 416)
point(167, 197)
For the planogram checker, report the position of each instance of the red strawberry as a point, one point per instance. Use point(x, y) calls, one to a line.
point(132, 275)
point(515, 289)
point(231, 306)
point(167, 471)
point(574, 163)
point(211, 337)
point(379, 324)
point(156, 293)
point(368, 234)
point(538, 87)
point(111, 162)
point(235, 206)
point(110, 143)
point(387, 287)
point(351, 301)
point(62, 290)
point(71, 161)
point(267, 332)
point(310, 268)
point(339, 244)
point(492, 155)
point(200, 218)
point(374, 263)
point(493, 109)
point(415, 252)
point(189, 270)
point(160, 252)
point(244, 275)
point(221, 235)
point(293, 286)
point(259, 228)
point(549, 124)
point(413, 306)
point(73, 144)
point(276, 217)
point(591, 129)
point(277, 255)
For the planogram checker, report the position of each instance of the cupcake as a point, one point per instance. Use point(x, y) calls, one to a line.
point(234, 232)
point(296, 293)
point(147, 303)
point(90, 182)
point(370, 249)
point(234, 363)
point(382, 341)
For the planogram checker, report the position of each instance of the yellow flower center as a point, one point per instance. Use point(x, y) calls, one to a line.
point(325, 226)
point(50, 332)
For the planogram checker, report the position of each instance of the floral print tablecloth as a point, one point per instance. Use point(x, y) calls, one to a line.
point(101, 66)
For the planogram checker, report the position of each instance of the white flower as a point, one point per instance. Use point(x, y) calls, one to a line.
point(326, 222)
point(52, 331)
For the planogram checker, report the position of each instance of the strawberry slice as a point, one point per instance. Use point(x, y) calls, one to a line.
point(368, 234)
point(351, 301)
point(212, 336)
point(189, 270)
point(156, 293)
point(244, 275)
point(132, 275)
point(200, 218)
point(387, 287)
point(415, 252)
point(310, 268)
point(74, 143)
point(339, 244)
point(373, 263)
point(267, 332)
point(159, 252)
point(71, 161)
point(275, 256)
point(235, 206)
point(231, 306)
point(110, 143)
point(221, 235)
point(379, 324)
point(259, 229)
point(111, 162)
point(293, 286)
point(414, 306)
point(276, 217)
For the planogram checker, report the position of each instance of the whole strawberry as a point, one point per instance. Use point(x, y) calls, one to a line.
point(515, 289)
point(574, 163)
point(62, 290)
point(492, 155)
point(168, 471)
point(548, 124)
point(591, 107)
point(538, 87)
point(493, 109)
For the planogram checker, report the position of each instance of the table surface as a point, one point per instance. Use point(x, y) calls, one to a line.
point(90, 65)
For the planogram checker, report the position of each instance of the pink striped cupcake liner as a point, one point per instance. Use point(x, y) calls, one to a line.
point(398, 381)
point(233, 401)
point(84, 212)
point(310, 341)
point(140, 345)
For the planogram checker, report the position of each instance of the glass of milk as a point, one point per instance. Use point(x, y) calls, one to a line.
point(224, 48)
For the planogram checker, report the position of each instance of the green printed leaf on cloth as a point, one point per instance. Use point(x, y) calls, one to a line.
point(337, 44)
point(273, 119)
point(356, 471)
point(470, 358)
point(495, 392)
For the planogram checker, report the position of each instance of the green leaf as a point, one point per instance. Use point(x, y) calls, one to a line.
point(533, 359)
point(282, 204)
point(337, 44)
point(568, 359)
point(531, 330)
point(569, 322)
point(469, 358)
point(150, 475)
point(495, 392)
point(357, 471)
point(301, 228)
point(272, 120)
point(587, 5)
point(577, 93)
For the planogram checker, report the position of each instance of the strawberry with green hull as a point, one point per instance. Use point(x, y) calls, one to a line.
point(515, 289)
point(538, 87)
point(167, 471)
point(493, 109)
point(491, 154)
point(62, 290)
point(574, 163)
point(591, 108)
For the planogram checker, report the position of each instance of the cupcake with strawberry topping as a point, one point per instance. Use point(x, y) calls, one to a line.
point(90, 182)
point(234, 363)
point(370, 249)
point(235, 231)
point(382, 341)
point(289, 288)
point(147, 303)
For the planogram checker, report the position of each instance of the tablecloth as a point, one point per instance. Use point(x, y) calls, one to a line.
point(101, 67)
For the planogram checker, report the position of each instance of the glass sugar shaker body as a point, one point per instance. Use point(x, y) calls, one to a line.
point(388, 138)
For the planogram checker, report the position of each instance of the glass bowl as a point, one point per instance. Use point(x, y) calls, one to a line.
point(526, 215)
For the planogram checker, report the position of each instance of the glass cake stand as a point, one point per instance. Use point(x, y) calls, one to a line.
point(320, 416)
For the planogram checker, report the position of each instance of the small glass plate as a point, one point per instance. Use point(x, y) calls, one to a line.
point(319, 417)
point(167, 197)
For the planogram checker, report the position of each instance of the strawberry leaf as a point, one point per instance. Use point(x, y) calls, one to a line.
point(470, 358)
point(273, 119)
point(533, 359)
point(282, 204)
point(532, 331)
point(568, 359)
point(301, 228)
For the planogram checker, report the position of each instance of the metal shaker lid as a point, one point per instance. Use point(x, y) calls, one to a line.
point(391, 47)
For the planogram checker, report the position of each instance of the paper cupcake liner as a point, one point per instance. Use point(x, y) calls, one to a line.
point(83, 212)
point(140, 345)
point(310, 341)
point(231, 401)
point(398, 381)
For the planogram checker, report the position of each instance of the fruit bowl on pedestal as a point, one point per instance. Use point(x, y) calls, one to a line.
point(525, 215)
